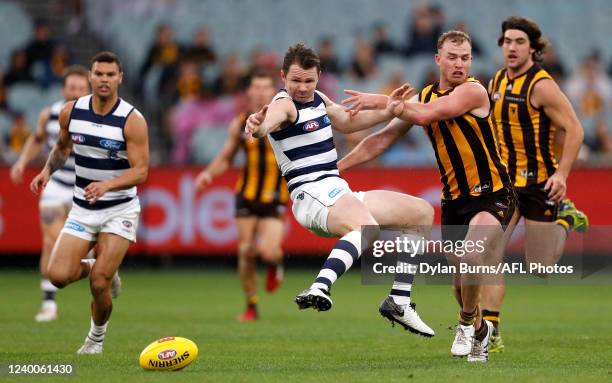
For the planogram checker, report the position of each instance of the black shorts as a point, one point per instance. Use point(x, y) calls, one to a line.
point(246, 208)
point(456, 214)
point(533, 203)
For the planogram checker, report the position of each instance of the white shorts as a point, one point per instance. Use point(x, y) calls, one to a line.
point(311, 203)
point(56, 195)
point(121, 220)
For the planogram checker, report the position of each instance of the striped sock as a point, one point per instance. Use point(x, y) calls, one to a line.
point(96, 333)
point(341, 258)
point(493, 317)
point(407, 264)
point(48, 290)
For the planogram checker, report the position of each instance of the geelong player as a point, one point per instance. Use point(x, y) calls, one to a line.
point(56, 199)
point(261, 198)
point(110, 142)
point(477, 198)
point(528, 108)
point(298, 123)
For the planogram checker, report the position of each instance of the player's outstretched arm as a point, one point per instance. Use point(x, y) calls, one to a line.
point(467, 97)
point(137, 147)
point(224, 159)
point(271, 118)
point(547, 95)
point(60, 152)
point(375, 144)
point(32, 147)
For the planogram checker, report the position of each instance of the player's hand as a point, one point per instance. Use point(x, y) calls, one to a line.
point(398, 98)
point(17, 171)
point(95, 191)
point(40, 181)
point(203, 180)
point(362, 101)
point(254, 122)
point(556, 187)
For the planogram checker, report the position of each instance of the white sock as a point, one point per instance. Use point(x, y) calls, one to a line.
point(96, 333)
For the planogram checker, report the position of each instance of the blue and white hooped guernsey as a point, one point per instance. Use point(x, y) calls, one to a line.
point(99, 150)
point(305, 150)
point(64, 176)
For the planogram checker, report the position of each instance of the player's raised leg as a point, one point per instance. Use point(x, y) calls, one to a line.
point(345, 218)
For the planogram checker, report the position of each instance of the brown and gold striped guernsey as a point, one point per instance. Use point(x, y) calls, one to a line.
point(525, 133)
point(260, 179)
point(466, 151)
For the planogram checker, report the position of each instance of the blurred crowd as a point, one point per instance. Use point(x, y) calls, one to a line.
point(189, 92)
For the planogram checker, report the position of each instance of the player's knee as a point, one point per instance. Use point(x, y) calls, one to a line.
point(270, 253)
point(246, 248)
point(58, 278)
point(99, 283)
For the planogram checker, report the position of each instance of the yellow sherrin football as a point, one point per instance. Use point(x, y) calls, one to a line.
point(168, 354)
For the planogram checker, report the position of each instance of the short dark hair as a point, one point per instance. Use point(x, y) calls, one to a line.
point(77, 70)
point(303, 56)
point(531, 28)
point(455, 37)
point(106, 57)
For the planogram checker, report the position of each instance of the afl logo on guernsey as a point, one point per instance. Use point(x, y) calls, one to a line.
point(77, 138)
point(311, 126)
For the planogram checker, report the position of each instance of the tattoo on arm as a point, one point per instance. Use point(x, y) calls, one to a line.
point(57, 159)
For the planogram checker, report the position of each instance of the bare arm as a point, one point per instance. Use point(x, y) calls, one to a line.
point(467, 97)
point(223, 161)
point(346, 122)
point(547, 95)
point(271, 118)
point(375, 144)
point(60, 152)
point(32, 147)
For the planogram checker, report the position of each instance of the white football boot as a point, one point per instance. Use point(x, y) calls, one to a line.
point(464, 336)
point(480, 348)
point(47, 313)
point(91, 347)
point(406, 316)
point(116, 285)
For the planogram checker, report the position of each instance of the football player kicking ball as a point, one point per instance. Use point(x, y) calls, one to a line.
point(298, 123)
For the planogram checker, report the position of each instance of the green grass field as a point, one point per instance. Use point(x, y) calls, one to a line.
point(552, 333)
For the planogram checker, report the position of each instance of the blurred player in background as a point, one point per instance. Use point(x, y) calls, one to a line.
point(299, 123)
point(528, 108)
point(477, 197)
point(110, 142)
point(56, 199)
point(261, 197)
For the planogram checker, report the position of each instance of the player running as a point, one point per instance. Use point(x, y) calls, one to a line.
point(56, 199)
point(110, 142)
point(261, 198)
point(298, 123)
point(528, 108)
point(477, 197)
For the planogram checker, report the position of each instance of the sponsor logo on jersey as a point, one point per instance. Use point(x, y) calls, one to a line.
point(127, 224)
point(496, 96)
point(74, 226)
point(110, 144)
point(311, 126)
point(482, 188)
point(326, 120)
point(166, 354)
point(77, 138)
point(334, 192)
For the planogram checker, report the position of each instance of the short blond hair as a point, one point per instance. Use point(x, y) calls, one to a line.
point(455, 37)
